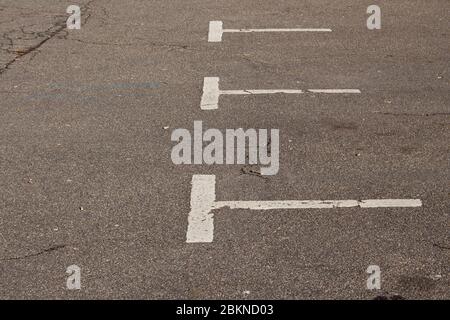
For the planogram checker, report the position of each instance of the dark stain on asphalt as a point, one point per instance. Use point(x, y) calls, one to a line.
point(440, 246)
point(252, 170)
point(415, 283)
point(416, 114)
point(386, 134)
point(340, 125)
point(389, 297)
point(407, 149)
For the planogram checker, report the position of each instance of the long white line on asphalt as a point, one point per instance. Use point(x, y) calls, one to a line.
point(211, 92)
point(203, 202)
point(280, 30)
point(260, 91)
point(334, 90)
point(317, 204)
point(216, 30)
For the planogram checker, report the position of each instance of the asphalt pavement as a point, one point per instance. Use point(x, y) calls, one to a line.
point(87, 179)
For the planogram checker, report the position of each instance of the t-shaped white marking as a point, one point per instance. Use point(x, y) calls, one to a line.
point(216, 30)
point(211, 92)
point(203, 202)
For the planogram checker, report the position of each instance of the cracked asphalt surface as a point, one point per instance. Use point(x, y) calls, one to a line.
point(86, 176)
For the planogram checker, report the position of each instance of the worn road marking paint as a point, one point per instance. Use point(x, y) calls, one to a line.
point(211, 92)
point(203, 202)
point(200, 220)
point(260, 91)
point(216, 30)
point(334, 90)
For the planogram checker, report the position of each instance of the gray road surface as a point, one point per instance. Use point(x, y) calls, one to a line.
point(86, 176)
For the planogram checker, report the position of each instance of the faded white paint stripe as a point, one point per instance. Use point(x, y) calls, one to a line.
point(203, 202)
point(390, 203)
point(200, 219)
point(211, 92)
point(210, 97)
point(279, 30)
point(215, 31)
point(317, 204)
point(334, 90)
point(288, 91)
point(260, 91)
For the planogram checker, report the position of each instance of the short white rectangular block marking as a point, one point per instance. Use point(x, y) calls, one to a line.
point(203, 202)
point(216, 30)
point(211, 92)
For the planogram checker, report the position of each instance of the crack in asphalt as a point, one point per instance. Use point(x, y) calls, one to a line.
point(48, 250)
point(58, 29)
point(63, 246)
point(57, 26)
point(416, 114)
point(440, 246)
point(169, 46)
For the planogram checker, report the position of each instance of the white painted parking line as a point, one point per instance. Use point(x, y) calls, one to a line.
point(203, 202)
point(334, 90)
point(200, 220)
point(317, 204)
point(211, 92)
point(210, 97)
point(261, 91)
point(216, 30)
